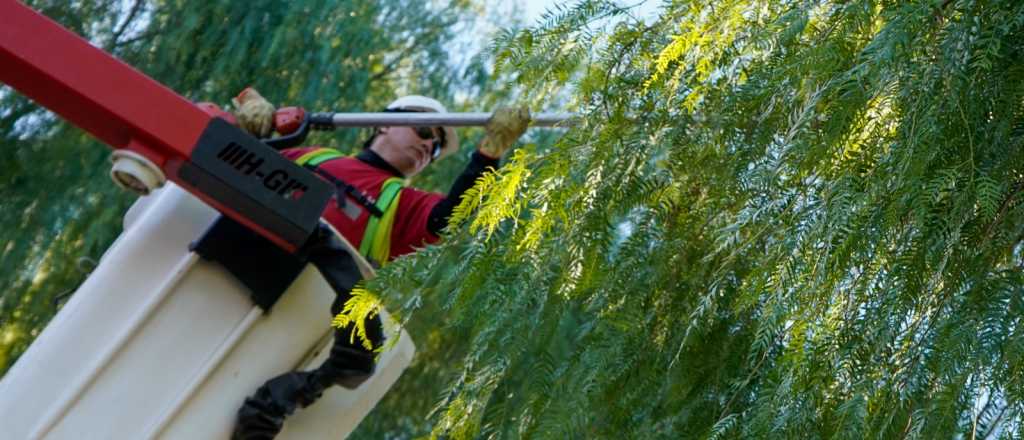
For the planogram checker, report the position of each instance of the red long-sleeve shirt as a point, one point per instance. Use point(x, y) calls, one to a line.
point(410, 229)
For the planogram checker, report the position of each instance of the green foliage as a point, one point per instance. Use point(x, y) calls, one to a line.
point(362, 306)
point(795, 219)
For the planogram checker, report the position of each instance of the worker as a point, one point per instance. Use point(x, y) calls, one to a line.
point(381, 217)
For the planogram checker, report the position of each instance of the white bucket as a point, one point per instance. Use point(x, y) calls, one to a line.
point(158, 343)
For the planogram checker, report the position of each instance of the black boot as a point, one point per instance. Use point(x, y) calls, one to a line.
point(349, 363)
point(262, 415)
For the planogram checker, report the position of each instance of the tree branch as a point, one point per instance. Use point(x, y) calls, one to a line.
point(995, 422)
point(390, 67)
point(1005, 206)
point(139, 37)
point(974, 423)
point(136, 8)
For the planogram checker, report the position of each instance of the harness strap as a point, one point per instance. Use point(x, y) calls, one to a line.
point(314, 158)
point(345, 189)
point(376, 243)
point(318, 156)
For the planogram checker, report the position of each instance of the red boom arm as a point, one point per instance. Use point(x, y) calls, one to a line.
point(225, 167)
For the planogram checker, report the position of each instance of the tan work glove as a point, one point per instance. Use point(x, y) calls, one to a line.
point(505, 126)
point(254, 113)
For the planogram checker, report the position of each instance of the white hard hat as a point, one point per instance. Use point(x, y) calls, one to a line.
point(417, 103)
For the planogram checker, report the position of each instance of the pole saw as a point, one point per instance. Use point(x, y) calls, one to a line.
point(295, 123)
point(128, 111)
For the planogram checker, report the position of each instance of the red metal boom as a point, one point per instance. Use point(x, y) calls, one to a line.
point(124, 108)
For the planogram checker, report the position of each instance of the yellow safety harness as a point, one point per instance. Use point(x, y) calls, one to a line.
point(376, 243)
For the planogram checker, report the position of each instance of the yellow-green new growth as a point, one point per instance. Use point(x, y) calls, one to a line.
point(494, 196)
point(363, 305)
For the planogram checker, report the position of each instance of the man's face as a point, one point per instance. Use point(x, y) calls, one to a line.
point(405, 149)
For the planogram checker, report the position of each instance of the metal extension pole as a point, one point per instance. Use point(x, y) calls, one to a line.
point(386, 119)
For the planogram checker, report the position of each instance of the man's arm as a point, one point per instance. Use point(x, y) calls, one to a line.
point(507, 125)
point(442, 211)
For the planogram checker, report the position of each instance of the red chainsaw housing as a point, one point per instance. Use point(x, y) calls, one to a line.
point(287, 120)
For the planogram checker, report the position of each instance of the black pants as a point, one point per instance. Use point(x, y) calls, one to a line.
point(349, 363)
point(348, 360)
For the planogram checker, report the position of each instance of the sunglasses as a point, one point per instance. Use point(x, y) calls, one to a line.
point(428, 133)
point(425, 133)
